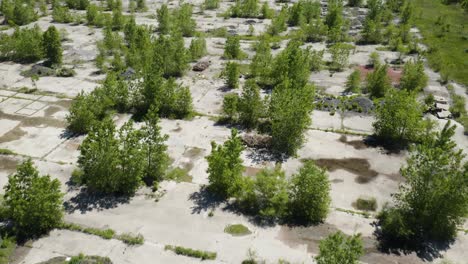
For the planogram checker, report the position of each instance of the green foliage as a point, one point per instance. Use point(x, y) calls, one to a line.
point(314, 31)
point(7, 248)
point(184, 23)
point(337, 25)
point(231, 106)
point(103, 233)
point(303, 12)
point(237, 230)
point(84, 112)
point(293, 64)
point(112, 161)
point(4, 151)
point(231, 74)
point(340, 55)
point(413, 78)
point(61, 14)
point(197, 48)
point(266, 12)
point(211, 4)
point(309, 194)
point(82, 259)
point(178, 175)
point(22, 45)
point(18, 12)
point(244, 8)
point(225, 166)
point(260, 67)
point(338, 248)
point(131, 239)
point(433, 201)
point(398, 118)
point(33, 202)
point(251, 106)
point(170, 57)
point(271, 193)
point(278, 23)
point(96, 17)
point(191, 252)
point(232, 48)
point(355, 3)
point(164, 19)
point(367, 204)
point(52, 46)
point(77, 4)
point(378, 82)
point(289, 114)
point(353, 83)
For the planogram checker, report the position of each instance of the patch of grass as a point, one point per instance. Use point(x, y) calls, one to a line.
point(365, 214)
point(366, 204)
point(7, 246)
point(81, 258)
point(6, 152)
point(131, 239)
point(178, 175)
point(237, 230)
point(445, 33)
point(127, 238)
point(194, 253)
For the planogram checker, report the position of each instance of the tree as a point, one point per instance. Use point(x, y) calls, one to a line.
point(33, 202)
point(211, 4)
point(184, 21)
point(197, 48)
point(225, 166)
point(112, 164)
point(289, 114)
point(271, 194)
point(231, 106)
point(232, 47)
point(266, 12)
point(260, 67)
point(353, 83)
point(338, 248)
point(164, 19)
point(293, 63)
point(231, 73)
point(84, 111)
point(22, 45)
point(340, 55)
point(155, 150)
point(399, 118)
point(433, 201)
point(413, 78)
point(309, 194)
point(378, 82)
point(52, 46)
point(251, 106)
point(278, 23)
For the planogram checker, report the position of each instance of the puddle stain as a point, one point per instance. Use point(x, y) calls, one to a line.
point(360, 167)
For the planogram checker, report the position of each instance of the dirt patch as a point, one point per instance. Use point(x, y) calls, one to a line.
point(8, 163)
point(251, 171)
point(310, 236)
point(357, 144)
point(337, 180)
point(14, 134)
point(359, 167)
point(193, 153)
point(35, 121)
point(63, 103)
point(51, 110)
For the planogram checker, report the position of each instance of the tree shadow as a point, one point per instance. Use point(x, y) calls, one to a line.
point(87, 200)
point(204, 200)
point(67, 134)
point(425, 249)
point(261, 155)
point(387, 146)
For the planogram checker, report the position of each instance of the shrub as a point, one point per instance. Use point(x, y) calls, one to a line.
point(197, 48)
point(6, 152)
point(231, 73)
point(232, 48)
point(367, 204)
point(191, 252)
point(237, 230)
point(131, 239)
point(211, 4)
point(22, 45)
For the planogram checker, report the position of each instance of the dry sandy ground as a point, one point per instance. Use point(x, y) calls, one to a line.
point(33, 125)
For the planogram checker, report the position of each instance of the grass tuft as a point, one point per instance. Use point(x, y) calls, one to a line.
point(194, 253)
point(237, 230)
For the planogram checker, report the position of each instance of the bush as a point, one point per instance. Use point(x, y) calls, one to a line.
point(197, 48)
point(211, 4)
point(192, 252)
point(367, 204)
point(231, 74)
point(232, 48)
point(131, 239)
point(22, 45)
point(340, 248)
point(237, 230)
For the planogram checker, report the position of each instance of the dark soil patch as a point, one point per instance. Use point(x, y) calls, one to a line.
point(193, 153)
point(14, 134)
point(357, 144)
point(35, 121)
point(359, 167)
point(8, 163)
point(49, 111)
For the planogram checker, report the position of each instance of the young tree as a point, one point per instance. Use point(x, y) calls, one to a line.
point(353, 83)
point(84, 111)
point(231, 74)
point(231, 106)
point(271, 193)
point(184, 21)
point(232, 47)
point(293, 63)
point(433, 201)
point(211, 4)
point(340, 55)
point(225, 167)
point(251, 106)
point(164, 19)
point(278, 23)
point(52, 45)
point(266, 12)
point(197, 48)
point(413, 78)
point(309, 194)
point(154, 146)
point(260, 67)
point(399, 118)
point(33, 202)
point(289, 114)
point(339, 248)
point(378, 82)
